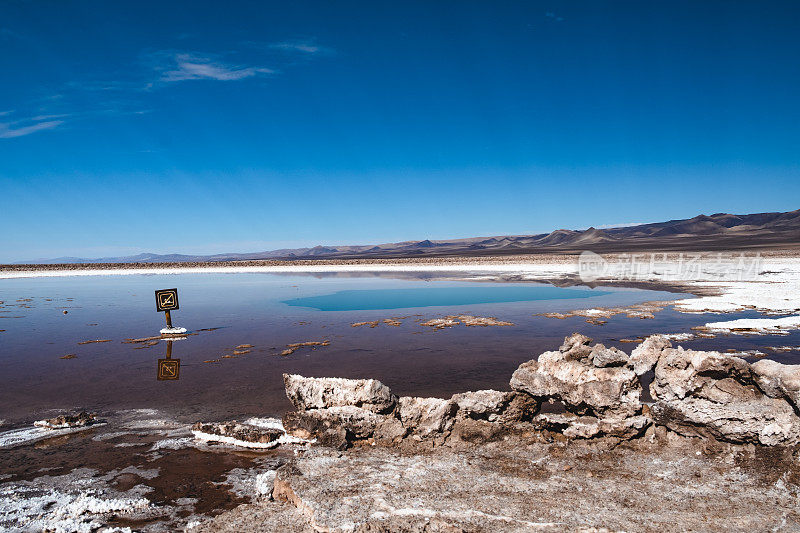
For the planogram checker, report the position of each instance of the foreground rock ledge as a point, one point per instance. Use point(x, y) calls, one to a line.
point(717, 449)
point(696, 394)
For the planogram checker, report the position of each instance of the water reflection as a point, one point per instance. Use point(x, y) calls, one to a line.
point(168, 368)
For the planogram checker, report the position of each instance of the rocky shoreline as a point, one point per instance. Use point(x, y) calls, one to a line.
point(717, 426)
point(695, 393)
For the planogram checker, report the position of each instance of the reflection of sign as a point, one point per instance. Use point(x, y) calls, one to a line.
point(167, 300)
point(169, 368)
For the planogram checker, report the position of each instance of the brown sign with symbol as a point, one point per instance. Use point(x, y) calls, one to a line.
point(166, 300)
point(169, 368)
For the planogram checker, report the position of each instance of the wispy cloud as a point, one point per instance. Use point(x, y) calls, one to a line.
point(20, 128)
point(553, 16)
point(125, 91)
point(196, 67)
point(301, 46)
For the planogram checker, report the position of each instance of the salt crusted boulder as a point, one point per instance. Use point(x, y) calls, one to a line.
point(645, 356)
point(603, 357)
point(482, 404)
point(241, 434)
point(582, 378)
point(340, 426)
point(710, 394)
point(778, 381)
point(425, 417)
point(320, 393)
point(82, 419)
point(586, 427)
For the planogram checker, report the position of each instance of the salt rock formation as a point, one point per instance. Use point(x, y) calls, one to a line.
point(68, 421)
point(709, 394)
point(339, 412)
point(241, 433)
point(587, 427)
point(696, 393)
point(778, 381)
point(594, 382)
point(339, 426)
point(483, 404)
point(581, 376)
point(321, 393)
point(645, 356)
point(427, 416)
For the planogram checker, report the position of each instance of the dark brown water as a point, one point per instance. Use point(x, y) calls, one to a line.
point(249, 309)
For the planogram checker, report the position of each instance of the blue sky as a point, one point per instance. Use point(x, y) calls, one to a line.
point(204, 127)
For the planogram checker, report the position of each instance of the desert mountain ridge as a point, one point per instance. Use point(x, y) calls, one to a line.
point(721, 231)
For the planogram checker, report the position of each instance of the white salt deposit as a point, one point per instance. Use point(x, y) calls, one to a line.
point(678, 337)
point(251, 482)
point(210, 437)
point(172, 444)
point(763, 326)
point(20, 437)
point(28, 508)
point(262, 423)
point(173, 331)
point(265, 423)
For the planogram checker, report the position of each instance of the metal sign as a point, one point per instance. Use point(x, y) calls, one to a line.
point(169, 369)
point(166, 300)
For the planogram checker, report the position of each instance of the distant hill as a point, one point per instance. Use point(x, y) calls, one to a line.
point(721, 231)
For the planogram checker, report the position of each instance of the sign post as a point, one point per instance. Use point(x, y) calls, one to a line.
point(167, 300)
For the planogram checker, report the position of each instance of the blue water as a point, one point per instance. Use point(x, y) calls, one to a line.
point(373, 299)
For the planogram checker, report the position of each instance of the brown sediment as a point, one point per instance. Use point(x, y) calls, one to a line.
point(240, 352)
point(69, 356)
point(782, 349)
point(229, 356)
point(143, 339)
point(95, 341)
point(468, 320)
point(371, 323)
point(243, 346)
point(598, 315)
point(211, 361)
point(392, 321)
point(291, 348)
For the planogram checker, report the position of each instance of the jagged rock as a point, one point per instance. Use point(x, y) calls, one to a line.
point(320, 393)
point(337, 427)
point(778, 381)
point(68, 421)
point(604, 357)
point(645, 356)
point(482, 404)
point(570, 375)
point(244, 433)
point(586, 427)
point(426, 416)
point(576, 347)
point(522, 408)
point(710, 394)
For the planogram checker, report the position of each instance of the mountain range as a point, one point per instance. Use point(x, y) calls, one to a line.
point(716, 232)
